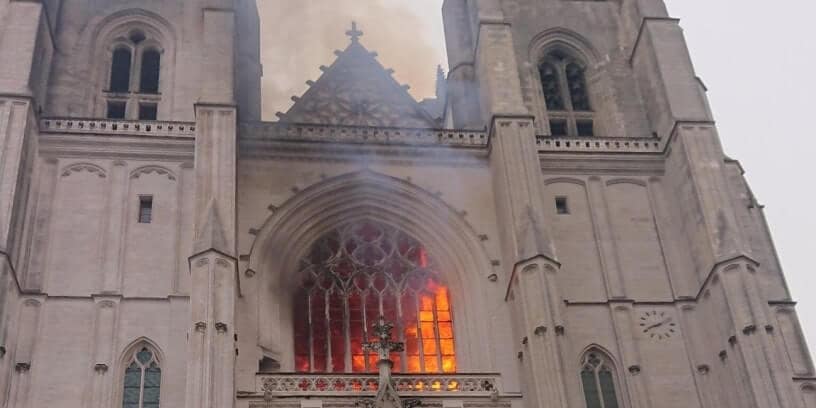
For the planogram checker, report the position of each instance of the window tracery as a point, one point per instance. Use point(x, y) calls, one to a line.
point(598, 381)
point(563, 81)
point(142, 380)
point(133, 90)
point(356, 273)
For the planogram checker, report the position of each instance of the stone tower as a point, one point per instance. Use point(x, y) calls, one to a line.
point(559, 227)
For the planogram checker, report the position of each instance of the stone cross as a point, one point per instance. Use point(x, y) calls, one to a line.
point(354, 33)
point(387, 396)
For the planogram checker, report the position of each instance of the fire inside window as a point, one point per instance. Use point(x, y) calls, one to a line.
point(353, 275)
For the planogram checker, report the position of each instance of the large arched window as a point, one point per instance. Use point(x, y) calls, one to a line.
point(350, 277)
point(598, 381)
point(563, 81)
point(142, 380)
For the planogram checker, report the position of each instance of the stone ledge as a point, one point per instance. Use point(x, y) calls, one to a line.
point(117, 127)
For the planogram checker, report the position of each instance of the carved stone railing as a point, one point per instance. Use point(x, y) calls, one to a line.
point(553, 144)
point(118, 127)
point(428, 385)
point(277, 131)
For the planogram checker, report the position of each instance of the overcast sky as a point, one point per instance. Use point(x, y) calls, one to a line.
point(756, 57)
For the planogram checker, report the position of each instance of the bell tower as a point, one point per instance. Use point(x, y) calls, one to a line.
point(560, 83)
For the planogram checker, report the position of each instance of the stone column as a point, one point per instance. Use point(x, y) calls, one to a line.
point(27, 332)
point(213, 263)
point(25, 45)
point(517, 186)
point(696, 186)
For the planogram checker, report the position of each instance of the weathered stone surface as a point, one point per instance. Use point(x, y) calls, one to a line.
point(639, 252)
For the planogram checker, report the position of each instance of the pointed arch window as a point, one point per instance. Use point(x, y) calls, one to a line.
point(142, 380)
point(133, 88)
point(120, 70)
point(598, 381)
point(563, 81)
point(353, 275)
point(149, 81)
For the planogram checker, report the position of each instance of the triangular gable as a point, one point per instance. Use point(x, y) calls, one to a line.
point(358, 91)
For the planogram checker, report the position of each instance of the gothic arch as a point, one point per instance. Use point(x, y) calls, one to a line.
point(289, 233)
point(80, 167)
point(603, 359)
point(124, 360)
point(149, 169)
point(109, 32)
point(565, 40)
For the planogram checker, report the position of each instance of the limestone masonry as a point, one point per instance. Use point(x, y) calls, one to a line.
point(558, 227)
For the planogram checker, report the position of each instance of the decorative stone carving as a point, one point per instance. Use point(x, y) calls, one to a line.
point(80, 167)
point(101, 368)
point(357, 91)
point(151, 170)
point(200, 327)
point(221, 327)
point(22, 367)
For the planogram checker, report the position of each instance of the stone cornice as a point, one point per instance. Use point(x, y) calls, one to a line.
point(337, 134)
point(642, 146)
point(276, 140)
point(104, 138)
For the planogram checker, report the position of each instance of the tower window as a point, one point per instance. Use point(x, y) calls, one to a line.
point(149, 79)
point(116, 109)
point(563, 82)
point(351, 277)
point(120, 70)
point(598, 381)
point(142, 380)
point(561, 206)
point(148, 111)
point(145, 209)
point(134, 77)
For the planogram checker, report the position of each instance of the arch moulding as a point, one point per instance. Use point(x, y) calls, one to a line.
point(290, 231)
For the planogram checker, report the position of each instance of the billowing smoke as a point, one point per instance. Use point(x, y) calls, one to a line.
point(297, 36)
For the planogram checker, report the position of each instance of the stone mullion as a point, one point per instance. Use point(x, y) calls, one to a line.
point(311, 335)
point(347, 333)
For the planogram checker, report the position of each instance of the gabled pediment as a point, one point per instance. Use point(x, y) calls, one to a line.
point(356, 90)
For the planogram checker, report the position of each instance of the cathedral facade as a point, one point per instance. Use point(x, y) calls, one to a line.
point(558, 227)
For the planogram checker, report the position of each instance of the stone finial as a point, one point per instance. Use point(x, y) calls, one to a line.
point(354, 33)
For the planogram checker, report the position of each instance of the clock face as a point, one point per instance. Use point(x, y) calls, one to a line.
point(657, 325)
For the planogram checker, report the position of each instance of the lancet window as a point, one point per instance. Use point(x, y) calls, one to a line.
point(598, 381)
point(353, 275)
point(142, 380)
point(563, 81)
point(134, 78)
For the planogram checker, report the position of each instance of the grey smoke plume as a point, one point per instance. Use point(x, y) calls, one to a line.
point(298, 36)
